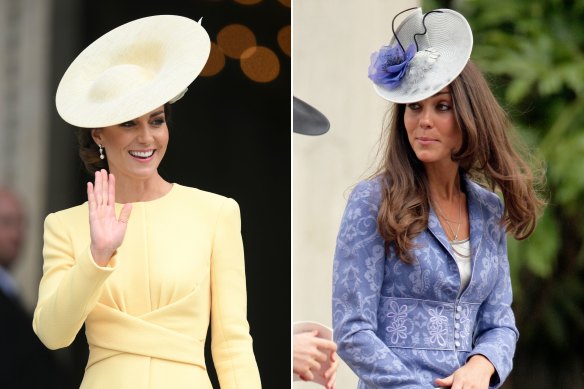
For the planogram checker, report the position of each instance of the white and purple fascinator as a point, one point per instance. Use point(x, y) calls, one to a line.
point(426, 53)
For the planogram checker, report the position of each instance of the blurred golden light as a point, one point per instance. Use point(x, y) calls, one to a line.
point(286, 3)
point(284, 39)
point(247, 2)
point(234, 39)
point(215, 63)
point(260, 64)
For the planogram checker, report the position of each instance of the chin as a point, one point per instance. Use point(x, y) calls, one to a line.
point(143, 173)
point(426, 157)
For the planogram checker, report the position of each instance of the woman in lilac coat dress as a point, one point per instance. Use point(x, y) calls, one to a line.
point(421, 286)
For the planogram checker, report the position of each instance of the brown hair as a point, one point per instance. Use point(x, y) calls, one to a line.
point(89, 150)
point(487, 155)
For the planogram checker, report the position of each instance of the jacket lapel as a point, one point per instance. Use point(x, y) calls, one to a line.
point(476, 217)
point(436, 229)
point(476, 222)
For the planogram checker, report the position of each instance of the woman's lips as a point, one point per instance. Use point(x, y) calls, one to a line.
point(142, 155)
point(426, 141)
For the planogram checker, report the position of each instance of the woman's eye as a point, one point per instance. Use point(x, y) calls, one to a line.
point(414, 106)
point(158, 121)
point(443, 107)
point(127, 124)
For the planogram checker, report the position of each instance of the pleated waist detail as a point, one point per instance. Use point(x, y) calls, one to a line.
point(168, 333)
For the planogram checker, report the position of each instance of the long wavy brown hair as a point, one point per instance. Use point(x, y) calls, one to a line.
point(490, 154)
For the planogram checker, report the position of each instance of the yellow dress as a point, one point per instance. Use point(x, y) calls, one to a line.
point(147, 314)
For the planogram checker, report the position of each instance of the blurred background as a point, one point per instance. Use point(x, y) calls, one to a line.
point(532, 52)
point(230, 134)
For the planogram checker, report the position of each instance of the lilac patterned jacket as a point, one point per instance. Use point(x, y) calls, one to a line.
point(403, 326)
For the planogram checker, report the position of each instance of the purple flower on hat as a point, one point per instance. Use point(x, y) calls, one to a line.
point(389, 65)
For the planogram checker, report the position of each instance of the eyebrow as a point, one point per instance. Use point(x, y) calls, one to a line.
point(156, 113)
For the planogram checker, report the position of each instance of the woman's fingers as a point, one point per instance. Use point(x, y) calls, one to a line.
point(326, 344)
point(90, 197)
point(125, 213)
point(333, 367)
point(107, 231)
point(320, 356)
point(111, 200)
point(307, 376)
point(97, 188)
point(330, 384)
point(445, 381)
point(103, 191)
point(104, 187)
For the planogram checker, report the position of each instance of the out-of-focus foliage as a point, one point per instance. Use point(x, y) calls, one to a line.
point(532, 52)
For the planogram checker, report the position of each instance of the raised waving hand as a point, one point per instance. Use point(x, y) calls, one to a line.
point(106, 230)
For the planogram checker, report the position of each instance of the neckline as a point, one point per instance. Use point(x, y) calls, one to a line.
point(459, 242)
point(164, 196)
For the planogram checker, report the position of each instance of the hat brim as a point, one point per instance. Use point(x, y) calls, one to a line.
point(307, 120)
point(450, 35)
point(132, 70)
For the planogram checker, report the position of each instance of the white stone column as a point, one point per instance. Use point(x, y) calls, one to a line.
point(24, 122)
point(332, 44)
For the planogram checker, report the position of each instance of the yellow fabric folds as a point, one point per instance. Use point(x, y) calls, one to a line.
point(146, 314)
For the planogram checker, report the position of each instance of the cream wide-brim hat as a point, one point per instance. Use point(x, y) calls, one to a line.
point(132, 70)
point(444, 47)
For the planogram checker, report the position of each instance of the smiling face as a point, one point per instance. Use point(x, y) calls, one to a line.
point(432, 129)
point(134, 149)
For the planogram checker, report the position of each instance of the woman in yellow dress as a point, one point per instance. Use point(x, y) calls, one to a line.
point(146, 264)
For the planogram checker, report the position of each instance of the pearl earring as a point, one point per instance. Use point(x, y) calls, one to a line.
point(101, 156)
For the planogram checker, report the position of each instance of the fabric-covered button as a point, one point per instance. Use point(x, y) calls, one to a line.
point(456, 325)
point(458, 308)
point(456, 336)
point(457, 343)
point(457, 316)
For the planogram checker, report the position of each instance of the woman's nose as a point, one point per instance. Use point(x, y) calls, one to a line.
point(145, 134)
point(426, 120)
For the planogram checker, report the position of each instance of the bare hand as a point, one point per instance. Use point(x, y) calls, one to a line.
point(310, 352)
point(331, 373)
point(476, 374)
point(107, 232)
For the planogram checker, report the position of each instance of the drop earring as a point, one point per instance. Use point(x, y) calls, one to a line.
point(101, 156)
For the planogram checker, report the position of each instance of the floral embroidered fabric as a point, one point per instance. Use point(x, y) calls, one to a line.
point(403, 326)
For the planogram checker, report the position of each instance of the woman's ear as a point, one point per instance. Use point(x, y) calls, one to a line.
point(96, 135)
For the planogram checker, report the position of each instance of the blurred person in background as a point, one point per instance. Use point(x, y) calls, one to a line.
point(24, 362)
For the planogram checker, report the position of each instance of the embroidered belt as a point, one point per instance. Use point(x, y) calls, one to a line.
point(425, 324)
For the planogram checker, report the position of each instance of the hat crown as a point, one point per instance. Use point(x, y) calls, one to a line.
point(132, 70)
point(442, 41)
point(119, 80)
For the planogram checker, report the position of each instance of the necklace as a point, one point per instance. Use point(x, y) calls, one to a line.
point(462, 256)
point(454, 242)
point(458, 223)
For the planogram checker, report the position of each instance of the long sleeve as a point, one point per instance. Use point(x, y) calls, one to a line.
point(357, 278)
point(70, 286)
point(231, 342)
point(496, 334)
